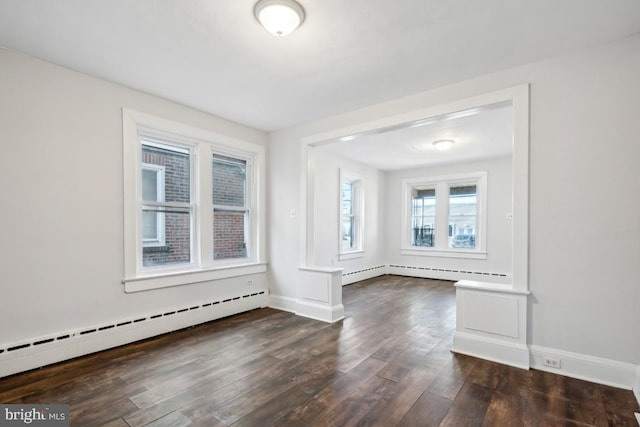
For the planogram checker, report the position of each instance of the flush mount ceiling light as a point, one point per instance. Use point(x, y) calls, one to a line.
point(443, 144)
point(279, 17)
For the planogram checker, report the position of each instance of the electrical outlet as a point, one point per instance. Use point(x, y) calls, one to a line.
point(249, 282)
point(550, 361)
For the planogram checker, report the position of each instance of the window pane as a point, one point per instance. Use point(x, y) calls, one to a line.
point(347, 227)
point(423, 217)
point(348, 238)
point(176, 247)
point(176, 166)
point(229, 181)
point(166, 230)
point(150, 222)
point(229, 234)
point(150, 185)
point(347, 198)
point(463, 212)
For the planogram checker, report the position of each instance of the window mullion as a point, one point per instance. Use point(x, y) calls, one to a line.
point(205, 212)
point(442, 215)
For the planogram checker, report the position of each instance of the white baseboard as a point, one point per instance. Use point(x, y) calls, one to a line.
point(325, 313)
point(589, 368)
point(322, 312)
point(66, 345)
point(499, 351)
point(283, 303)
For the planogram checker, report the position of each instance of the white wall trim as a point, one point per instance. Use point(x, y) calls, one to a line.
point(508, 353)
point(322, 312)
point(518, 95)
point(51, 349)
point(585, 367)
point(283, 303)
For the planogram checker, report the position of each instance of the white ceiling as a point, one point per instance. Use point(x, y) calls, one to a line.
point(479, 133)
point(212, 55)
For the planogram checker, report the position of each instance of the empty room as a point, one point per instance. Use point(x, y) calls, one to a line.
point(279, 212)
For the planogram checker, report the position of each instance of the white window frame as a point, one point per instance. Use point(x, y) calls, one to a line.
point(160, 232)
point(442, 185)
point(357, 197)
point(202, 145)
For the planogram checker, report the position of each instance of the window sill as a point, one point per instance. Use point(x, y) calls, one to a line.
point(165, 280)
point(350, 255)
point(444, 253)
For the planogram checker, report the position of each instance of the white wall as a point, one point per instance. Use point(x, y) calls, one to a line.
point(327, 201)
point(584, 222)
point(62, 201)
point(498, 226)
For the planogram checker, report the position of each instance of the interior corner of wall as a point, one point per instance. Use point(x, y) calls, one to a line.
point(636, 389)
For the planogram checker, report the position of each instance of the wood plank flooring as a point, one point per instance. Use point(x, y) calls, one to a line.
point(387, 364)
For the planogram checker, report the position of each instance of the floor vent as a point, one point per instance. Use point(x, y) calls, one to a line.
point(18, 347)
point(123, 323)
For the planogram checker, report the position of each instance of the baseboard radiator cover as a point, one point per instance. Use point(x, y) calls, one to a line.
point(42, 351)
point(363, 274)
point(585, 367)
point(448, 273)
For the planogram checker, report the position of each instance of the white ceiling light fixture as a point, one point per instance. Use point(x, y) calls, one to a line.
point(279, 17)
point(443, 144)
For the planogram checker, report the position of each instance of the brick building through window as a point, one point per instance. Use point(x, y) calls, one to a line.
point(166, 229)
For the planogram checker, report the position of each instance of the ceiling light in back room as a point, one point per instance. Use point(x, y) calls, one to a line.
point(443, 144)
point(279, 17)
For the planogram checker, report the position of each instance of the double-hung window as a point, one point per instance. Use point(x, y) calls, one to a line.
point(192, 205)
point(445, 216)
point(351, 215)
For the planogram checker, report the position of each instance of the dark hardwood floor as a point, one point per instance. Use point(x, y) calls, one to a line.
point(388, 363)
